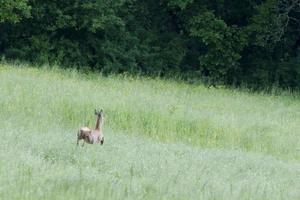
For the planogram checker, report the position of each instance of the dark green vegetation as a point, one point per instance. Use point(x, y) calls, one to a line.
point(232, 42)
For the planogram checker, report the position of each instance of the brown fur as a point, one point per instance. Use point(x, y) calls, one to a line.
point(92, 136)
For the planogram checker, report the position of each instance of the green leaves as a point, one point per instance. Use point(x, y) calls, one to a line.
point(96, 15)
point(267, 26)
point(231, 42)
point(14, 10)
point(182, 4)
point(222, 44)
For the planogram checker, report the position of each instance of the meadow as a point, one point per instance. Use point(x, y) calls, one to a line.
point(164, 139)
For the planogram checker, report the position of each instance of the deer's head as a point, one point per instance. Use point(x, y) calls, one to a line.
point(99, 113)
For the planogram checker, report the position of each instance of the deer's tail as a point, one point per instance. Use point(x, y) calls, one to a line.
point(79, 134)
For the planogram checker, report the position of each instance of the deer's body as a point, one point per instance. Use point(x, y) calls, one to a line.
point(92, 136)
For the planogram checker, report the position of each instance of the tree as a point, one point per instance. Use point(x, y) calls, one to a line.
point(13, 10)
point(233, 42)
point(223, 45)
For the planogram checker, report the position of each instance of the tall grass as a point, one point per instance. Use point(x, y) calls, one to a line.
point(164, 139)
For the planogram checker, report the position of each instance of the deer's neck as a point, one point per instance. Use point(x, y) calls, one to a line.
point(98, 124)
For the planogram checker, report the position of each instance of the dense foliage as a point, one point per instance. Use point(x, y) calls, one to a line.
point(252, 42)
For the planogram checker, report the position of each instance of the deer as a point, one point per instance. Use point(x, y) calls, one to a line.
point(92, 136)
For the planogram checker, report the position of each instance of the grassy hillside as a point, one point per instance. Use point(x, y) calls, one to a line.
point(163, 140)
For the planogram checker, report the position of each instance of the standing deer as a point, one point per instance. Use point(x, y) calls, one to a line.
point(92, 136)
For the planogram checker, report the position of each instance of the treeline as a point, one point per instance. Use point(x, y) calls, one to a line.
point(233, 42)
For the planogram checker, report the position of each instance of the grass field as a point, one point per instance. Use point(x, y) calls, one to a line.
point(163, 139)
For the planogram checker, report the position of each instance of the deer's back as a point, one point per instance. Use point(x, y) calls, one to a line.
point(95, 133)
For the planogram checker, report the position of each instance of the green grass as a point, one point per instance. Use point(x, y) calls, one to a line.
point(163, 139)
